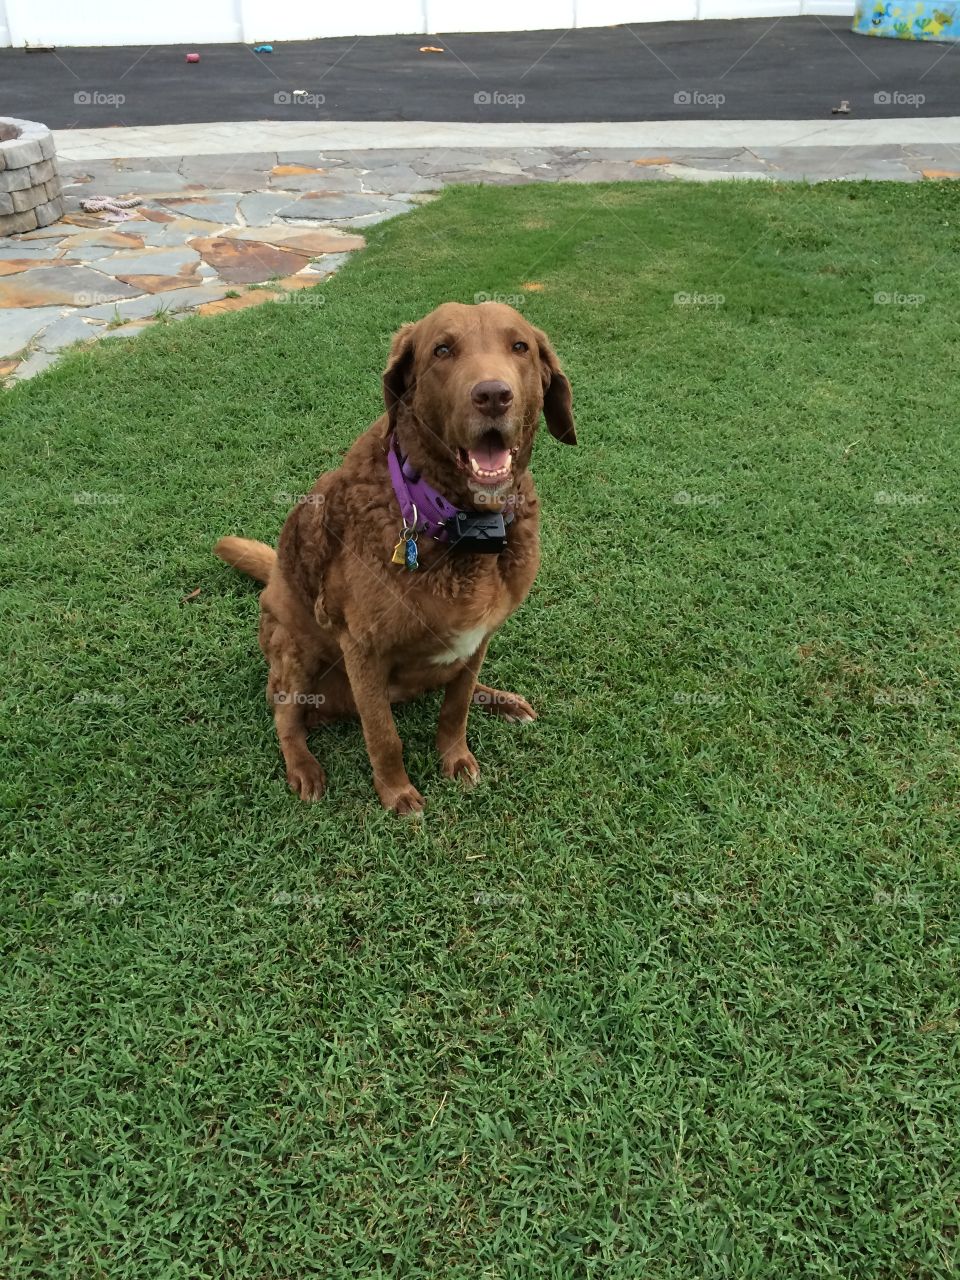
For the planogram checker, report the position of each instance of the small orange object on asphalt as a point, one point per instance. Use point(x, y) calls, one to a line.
point(430, 48)
point(193, 57)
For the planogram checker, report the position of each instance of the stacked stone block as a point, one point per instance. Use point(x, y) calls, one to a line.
point(30, 193)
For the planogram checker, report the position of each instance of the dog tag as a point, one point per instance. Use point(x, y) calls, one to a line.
point(399, 556)
point(411, 554)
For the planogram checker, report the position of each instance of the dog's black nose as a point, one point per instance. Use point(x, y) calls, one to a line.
point(492, 398)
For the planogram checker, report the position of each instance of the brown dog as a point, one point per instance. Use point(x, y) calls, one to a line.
point(345, 625)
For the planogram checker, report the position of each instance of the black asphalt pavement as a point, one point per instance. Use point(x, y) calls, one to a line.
point(791, 68)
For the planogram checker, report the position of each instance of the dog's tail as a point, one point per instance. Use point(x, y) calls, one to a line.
point(255, 558)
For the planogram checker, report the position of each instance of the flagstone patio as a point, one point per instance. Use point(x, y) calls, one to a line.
point(213, 230)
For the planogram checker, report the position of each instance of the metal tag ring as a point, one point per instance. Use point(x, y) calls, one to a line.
point(410, 531)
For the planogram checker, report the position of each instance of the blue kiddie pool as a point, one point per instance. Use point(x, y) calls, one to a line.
point(908, 19)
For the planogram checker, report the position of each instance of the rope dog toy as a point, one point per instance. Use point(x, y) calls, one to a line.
point(115, 210)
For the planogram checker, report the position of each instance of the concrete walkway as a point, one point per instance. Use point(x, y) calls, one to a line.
point(344, 135)
point(234, 216)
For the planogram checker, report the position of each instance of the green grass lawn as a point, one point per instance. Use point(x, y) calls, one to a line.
point(673, 993)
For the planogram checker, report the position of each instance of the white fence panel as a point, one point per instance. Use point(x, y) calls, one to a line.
point(499, 15)
point(111, 22)
point(66, 23)
point(269, 20)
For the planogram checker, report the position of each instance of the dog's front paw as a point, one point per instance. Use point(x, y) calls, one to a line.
point(405, 799)
point(462, 764)
point(306, 779)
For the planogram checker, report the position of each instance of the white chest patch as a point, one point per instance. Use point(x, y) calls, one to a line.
point(462, 647)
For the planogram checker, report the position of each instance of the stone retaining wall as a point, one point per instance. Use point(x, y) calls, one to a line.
point(29, 183)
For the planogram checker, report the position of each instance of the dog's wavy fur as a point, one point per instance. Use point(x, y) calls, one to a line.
point(347, 632)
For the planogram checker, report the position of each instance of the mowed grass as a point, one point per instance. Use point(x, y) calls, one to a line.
point(673, 992)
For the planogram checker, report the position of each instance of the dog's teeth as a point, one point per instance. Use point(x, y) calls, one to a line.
point(482, 471)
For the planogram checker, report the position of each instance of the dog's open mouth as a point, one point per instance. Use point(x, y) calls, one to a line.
point(489, 461)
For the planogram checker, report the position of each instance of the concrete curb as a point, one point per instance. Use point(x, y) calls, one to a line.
point(346, 135)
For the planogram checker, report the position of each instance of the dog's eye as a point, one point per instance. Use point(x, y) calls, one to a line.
point(520, 346)
point(441, 351)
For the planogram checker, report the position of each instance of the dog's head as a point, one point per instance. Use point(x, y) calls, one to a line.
point(464, 388)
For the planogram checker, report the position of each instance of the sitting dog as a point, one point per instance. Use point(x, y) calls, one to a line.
point(394, 572)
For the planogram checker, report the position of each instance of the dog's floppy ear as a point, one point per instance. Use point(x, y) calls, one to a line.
point(557, 396)
point(398, 375)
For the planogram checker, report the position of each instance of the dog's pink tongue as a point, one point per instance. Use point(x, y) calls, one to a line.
point(489, 456)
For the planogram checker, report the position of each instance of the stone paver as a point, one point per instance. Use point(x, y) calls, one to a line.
point(318, 205)
point(126, 330)
point(131, 309)
point(261, 206)
point(85, 253)
point(213, 224)
point(41, 233)
point(332, 180)
point(329, 240)
point(68, 329)
point(394, 179)
point(17, 328)
point(150, 262)
point(35, 363)
point(214, 208)
point(232, 171)
point(20, 251)
point(141, 308)
point(109, 239)
point(14, 266)
point(370, 219)
point(248, 261)
point(125, 183)
point(73, 286)
point(311, 158)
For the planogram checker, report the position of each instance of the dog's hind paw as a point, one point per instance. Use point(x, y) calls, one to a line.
point(509, 706)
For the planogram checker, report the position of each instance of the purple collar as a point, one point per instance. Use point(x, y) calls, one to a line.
point(422, 508)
